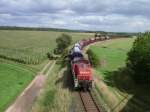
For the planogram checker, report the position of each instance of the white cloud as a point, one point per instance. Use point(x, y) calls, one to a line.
point(107, 15)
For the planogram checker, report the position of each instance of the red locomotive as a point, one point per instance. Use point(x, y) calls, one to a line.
point(81, 67)
point(82, 72)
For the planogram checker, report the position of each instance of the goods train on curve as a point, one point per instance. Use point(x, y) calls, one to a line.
point(80, 66)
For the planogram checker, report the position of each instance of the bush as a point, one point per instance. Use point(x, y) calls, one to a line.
point(94, 59)
point(139, 58)
point(50, 56)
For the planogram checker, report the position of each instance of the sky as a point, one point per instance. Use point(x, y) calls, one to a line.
point(101, 15)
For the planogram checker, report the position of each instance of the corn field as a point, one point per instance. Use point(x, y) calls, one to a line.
point(24, 56)
point(30, 47)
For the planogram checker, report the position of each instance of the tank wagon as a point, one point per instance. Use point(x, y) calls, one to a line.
point(80, 67)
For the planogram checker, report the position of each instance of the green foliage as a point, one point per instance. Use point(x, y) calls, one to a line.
point(50, 55)
point(13, 79)
point(94, 59)
point(63, 60)
point(139, 58)
point(63, 42)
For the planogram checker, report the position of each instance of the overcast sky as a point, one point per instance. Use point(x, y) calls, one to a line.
point(105, 15)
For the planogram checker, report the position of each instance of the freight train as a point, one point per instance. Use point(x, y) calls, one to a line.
point(80, 66)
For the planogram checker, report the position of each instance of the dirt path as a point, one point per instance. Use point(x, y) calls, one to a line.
point(24, 101)
point(45, 67)
point(49, 70)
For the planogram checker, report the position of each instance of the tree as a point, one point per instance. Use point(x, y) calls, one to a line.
point(139, 58)
point(63, 42)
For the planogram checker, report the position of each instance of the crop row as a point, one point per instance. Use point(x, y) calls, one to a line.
point(24, 56)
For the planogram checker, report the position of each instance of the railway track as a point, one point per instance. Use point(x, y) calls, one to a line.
point(89, 103)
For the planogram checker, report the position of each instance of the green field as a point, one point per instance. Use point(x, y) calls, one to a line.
point(31, 47)
point(112, 54)
point(127, 95)
point(13, 79)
